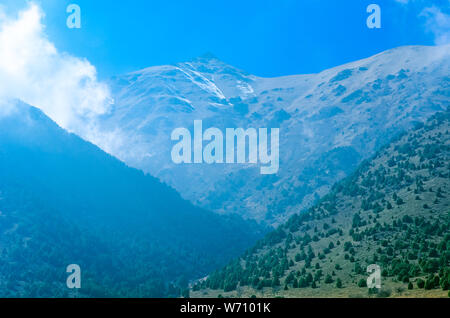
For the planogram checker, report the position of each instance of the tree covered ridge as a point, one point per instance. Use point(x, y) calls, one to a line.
point(64, 201)
point(393, 211)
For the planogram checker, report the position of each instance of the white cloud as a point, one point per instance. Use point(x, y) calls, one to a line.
point(65, 87)
point(438, 23)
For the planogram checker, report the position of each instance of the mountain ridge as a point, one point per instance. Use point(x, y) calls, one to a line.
point(54, 184)
point(324, 118)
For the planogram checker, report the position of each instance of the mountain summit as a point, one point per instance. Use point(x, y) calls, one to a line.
point(329, 122)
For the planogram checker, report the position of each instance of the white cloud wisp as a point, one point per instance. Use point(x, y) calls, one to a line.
point(65, 87)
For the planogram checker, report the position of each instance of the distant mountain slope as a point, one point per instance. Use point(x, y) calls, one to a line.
point(394, 211)
point(64, 201)
point(329, 122)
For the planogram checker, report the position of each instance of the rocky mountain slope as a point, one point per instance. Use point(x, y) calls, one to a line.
point(329, 122)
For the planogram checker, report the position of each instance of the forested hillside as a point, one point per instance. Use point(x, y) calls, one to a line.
point(64, 201)
point(394, 211)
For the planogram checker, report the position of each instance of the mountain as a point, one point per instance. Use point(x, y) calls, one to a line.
point(64, 201)
point(329, 122)
point(394, 211)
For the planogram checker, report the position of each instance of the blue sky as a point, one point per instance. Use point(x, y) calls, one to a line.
point(266, 38)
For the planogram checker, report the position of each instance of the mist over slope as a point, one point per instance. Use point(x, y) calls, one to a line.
point(64, 201)
point(329, 122)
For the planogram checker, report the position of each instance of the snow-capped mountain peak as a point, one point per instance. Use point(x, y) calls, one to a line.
point(328, 122)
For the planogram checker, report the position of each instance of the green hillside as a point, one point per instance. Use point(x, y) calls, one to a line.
point(64, 201)
point(394, 211)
